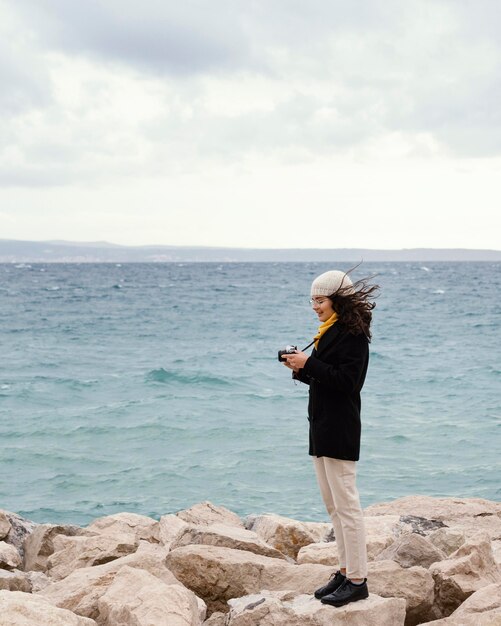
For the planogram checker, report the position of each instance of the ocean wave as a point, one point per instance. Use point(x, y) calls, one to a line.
point(164, 376)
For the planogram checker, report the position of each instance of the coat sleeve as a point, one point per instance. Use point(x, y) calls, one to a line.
point(301, 376)
point(349, 369)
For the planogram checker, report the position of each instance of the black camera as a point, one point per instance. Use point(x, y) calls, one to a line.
point(286, 350)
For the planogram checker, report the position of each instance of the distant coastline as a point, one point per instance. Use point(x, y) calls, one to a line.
point(16, 251)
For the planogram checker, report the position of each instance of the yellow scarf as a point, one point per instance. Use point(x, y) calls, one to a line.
point(325, 327)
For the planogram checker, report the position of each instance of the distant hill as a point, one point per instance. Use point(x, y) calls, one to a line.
point(13, 251)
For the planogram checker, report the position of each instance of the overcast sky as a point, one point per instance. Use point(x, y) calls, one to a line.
point(267, 123)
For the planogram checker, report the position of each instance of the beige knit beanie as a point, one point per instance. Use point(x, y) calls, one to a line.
point(330, 282)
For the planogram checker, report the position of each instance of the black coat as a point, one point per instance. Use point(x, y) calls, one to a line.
point(336, 373)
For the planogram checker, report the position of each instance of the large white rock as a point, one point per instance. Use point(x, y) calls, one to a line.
point(137, 598)
point(410, 550)
point(80, 591)
point(14, 581)
point(272, 609)
point(85, 551)
point(469, 515)
point(24, 609)
point(286, 535)
point(483, 608)
point(171, 527)
point(206, 514)
point(20, 528)
point(226, 537)
point(9, 556)
point(321, 553)
point(142, 527)
point(414, 584)
point(465, 571)
point(446, 539)
point(39, 545)
point(218, 574)
point(4, 525)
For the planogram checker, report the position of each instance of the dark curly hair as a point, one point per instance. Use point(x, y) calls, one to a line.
point(354, 305)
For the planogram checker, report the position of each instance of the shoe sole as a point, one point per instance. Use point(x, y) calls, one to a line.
point(338, 604)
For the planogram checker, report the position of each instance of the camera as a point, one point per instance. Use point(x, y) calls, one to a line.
point(286, 350)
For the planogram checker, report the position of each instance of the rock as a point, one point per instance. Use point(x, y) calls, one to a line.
point(89, 551)
point(469, 515)
point(465, 571)
point(9, 556)
point(137, 598)
point(217, 574)
point(412, 549)
point(320, 531)
point(414, 584)
point(418, 525)
point(24, 609)
point(170, 528)
point(322, 553)
point(284, 534)
point(269, 609)
point(226, 537)
point(20, 528)
point(485, 599)
point(37, 580)
point(216, 619)
point(5, 525)
point(39, 545)
point(206, 514)
point(142, 527)
point(447, 539)
point(80, 591)
point(14, 581)
point(381, 531)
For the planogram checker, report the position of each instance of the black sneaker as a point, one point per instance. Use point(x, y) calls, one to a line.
point(347, 592)
point(334, 583)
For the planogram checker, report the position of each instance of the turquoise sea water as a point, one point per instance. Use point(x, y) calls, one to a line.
point(149, 387)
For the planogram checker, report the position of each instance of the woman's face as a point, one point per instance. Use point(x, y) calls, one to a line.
point(322, 307)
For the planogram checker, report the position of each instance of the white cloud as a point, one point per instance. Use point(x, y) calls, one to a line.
point(196, 122)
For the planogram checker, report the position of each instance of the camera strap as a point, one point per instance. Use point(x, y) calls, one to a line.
point(310, 344)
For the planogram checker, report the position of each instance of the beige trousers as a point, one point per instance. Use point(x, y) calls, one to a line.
point(337, 482)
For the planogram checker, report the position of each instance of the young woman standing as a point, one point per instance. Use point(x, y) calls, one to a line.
point(335, 373)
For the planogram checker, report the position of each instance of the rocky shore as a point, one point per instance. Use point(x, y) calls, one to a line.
point(432, 560)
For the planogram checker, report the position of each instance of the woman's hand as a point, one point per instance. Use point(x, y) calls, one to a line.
point(295, 361)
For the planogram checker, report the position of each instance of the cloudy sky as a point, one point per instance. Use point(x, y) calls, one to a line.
point(253, 123)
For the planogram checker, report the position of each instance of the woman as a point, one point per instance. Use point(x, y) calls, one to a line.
point(335, 372)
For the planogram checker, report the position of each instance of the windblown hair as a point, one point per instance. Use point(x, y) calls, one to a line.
point(354, 305)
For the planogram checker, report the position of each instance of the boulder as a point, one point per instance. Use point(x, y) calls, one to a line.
point(322, 553)
point(447, 539)
point(272, 609)
point(88, 551)
point(380, 533)
point(24, 609)
point(465, 571)
point(39, 545)
point(4, 525)
point(217, 574)
point(171, 527)
point(469, 515)
point(486, 599)
point(206, 514)
point(142, 527)
point(37, 580)
point(412, 549)
point(9, 556)
point(137, 598)
point(226, 537)
point(80, 591)
point(217, 619)
point(14, 581)
point(20, 528)
point(414, 584)
point(284, 534)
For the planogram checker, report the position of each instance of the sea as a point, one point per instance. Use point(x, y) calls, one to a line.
point(151, 387)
